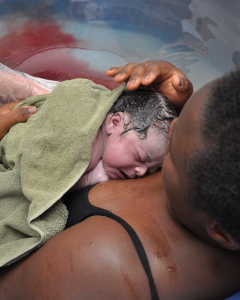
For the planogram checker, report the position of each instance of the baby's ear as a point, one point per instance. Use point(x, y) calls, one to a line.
point(114, 122)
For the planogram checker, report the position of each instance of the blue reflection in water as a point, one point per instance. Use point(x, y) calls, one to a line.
point(199, 37)
point(235, 297)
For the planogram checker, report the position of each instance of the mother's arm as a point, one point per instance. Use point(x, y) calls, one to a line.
point(92, 260)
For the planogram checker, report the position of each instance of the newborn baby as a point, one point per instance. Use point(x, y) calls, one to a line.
point(81, 134)
point(132, 139)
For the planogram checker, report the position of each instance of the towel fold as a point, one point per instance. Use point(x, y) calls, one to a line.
point(41, 159)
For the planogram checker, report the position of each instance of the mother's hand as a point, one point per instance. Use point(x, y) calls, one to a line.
point(159, 75)
point(10, 116)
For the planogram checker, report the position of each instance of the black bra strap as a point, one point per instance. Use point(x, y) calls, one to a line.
point(136, 241)
point(80, 209)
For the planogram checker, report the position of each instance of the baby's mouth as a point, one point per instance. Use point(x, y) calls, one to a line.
point(124, 175)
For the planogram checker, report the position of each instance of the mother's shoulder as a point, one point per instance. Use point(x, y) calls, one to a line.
point(177, 257)
point(94, 259)
point(129, 197)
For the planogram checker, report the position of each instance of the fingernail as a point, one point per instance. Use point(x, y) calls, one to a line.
point(32, 109)
point(146, 77)
point(181, 80)
point(131, 81)
point(118, 75)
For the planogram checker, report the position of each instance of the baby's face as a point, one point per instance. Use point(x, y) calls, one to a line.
point(127, 156)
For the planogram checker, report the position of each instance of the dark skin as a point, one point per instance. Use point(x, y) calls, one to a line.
point(185, 139)
point(96, 259)
point(158, 75)
point(10, 116)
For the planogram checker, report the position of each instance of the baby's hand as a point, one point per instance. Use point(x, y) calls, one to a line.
point(98, 174)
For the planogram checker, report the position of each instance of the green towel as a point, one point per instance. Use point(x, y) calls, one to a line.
point(41, 159)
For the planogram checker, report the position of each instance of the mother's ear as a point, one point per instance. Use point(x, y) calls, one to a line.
point(114, 122)
point(221, 236)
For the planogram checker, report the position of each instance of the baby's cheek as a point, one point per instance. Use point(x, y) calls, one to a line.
point(164, 152)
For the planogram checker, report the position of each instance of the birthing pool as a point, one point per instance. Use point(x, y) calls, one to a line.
point(62, 39)
point(65, 39)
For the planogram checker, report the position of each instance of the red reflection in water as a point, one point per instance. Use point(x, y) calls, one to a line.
point(60, 64)
point(74, 69)
point(32, 38)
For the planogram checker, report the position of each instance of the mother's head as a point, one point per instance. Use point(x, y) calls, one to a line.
point(202, 168)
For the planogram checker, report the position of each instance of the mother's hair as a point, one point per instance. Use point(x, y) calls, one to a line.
point(215, 169)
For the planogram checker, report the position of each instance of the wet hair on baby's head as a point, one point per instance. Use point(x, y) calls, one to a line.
point(145, 109)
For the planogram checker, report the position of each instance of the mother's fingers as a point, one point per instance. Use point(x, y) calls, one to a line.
point(138, 71)
point(9, 117)
point(131, 74)
point(9, 106)
point(158, 75)
point(121, 74)
point(157, 71)
point(113, 71)
point(145, 73)
point(182, 85)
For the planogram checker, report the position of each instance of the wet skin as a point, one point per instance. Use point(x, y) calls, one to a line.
point(96, 259)
point(185, 138)
point(125, 155)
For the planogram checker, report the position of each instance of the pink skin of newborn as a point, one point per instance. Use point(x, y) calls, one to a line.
point(120, 156)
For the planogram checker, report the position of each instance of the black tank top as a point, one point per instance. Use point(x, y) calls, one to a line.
point(80, 208)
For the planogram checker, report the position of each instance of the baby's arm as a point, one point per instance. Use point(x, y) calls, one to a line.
point(96, 175)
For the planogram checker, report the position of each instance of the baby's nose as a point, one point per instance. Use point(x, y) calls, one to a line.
point(140, 171)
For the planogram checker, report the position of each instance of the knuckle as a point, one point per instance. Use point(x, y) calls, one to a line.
point(127, 65)
point(154, 64)
point(22, 113)
point(130, 65)
point(133, 76)
point(122, 72)
point(147, 74)
point(140, 66)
